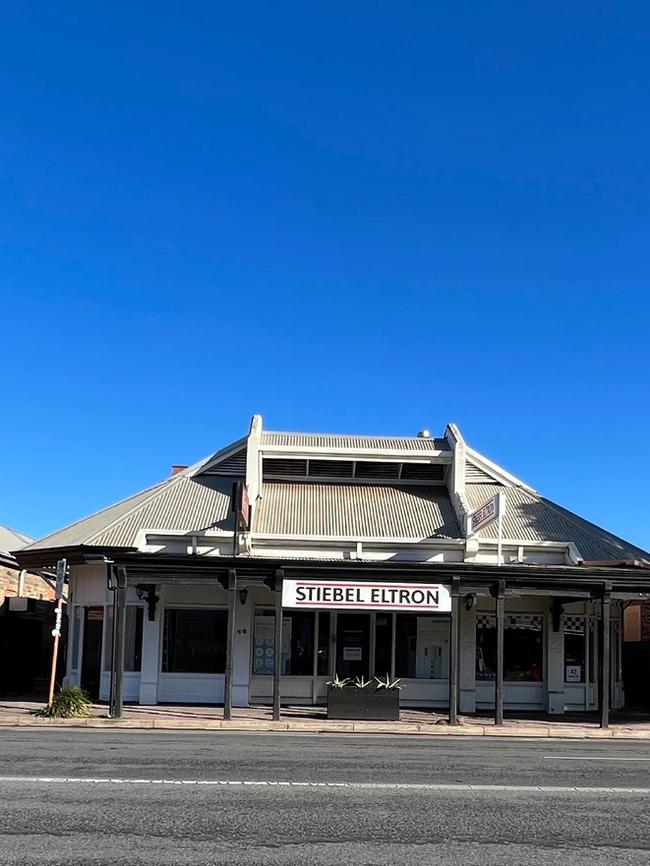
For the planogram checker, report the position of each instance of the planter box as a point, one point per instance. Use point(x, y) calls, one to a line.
point(378, 705)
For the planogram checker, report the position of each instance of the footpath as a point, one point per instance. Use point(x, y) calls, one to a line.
point(313, 719)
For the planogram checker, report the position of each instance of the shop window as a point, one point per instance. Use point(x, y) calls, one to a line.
point(194, 641)
point(323, 656)
point(76, 635)
point(405, 645)
point(297, 656)
point(523, 659)
point(421, 646)
point(132, 640)
point(575, 649)
point(383, 643)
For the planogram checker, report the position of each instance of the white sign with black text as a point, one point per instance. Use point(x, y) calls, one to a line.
point(486, 513)
point(356, 595)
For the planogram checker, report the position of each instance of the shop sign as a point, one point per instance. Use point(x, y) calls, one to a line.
point(489, 511)
point(354, 595)
point(573, 673)
point(61, 567)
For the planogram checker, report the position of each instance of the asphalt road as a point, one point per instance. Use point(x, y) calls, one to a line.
point(149, 797)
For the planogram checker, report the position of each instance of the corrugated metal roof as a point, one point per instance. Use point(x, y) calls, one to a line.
point(179, 503)
point(10, 539)
point(378, 443)
point(189, 505)
point(355, 510)
point(80, 531)
point(530, 517)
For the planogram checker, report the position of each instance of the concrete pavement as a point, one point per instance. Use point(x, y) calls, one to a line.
point(296, 719)
point(215, 798)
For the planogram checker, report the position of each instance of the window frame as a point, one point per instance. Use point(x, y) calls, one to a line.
point(186, 606)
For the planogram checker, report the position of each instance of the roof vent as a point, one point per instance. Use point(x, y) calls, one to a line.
point(177, 468)
point(424, 434)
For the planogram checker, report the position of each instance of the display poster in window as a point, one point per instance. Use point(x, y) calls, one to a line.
point(352, 654)
point(573, 673)
point(263, 646)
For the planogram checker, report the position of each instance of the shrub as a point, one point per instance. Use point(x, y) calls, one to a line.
point(70, 702)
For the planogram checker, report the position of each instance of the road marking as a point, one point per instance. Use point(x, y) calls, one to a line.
point(588, 758)
point(369, 786)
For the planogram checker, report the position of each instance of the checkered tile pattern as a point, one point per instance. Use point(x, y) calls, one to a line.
point(520, 620)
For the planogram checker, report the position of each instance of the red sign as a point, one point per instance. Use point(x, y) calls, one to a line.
point(244, 508)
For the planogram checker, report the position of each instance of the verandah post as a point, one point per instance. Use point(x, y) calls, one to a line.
point(605, 667)
point(454, 651)
point(116, 708)
point(500, 624)
point(230, 643)
point(277, 659)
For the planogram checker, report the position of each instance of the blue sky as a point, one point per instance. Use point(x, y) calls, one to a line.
point(367, 217)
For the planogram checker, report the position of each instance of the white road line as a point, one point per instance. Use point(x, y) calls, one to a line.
point(370, 786)
point(589, 758)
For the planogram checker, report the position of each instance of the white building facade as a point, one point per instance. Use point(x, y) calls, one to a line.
point(200, 562)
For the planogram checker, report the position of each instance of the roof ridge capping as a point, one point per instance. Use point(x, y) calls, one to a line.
point(346, 435)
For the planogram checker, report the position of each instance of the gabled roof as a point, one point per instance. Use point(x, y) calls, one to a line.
point(355, 511)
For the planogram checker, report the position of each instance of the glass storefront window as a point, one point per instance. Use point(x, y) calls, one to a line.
point(523, 659)
point(353, 645)
point(383, 643)
point(76, 633)
point(405, 645)
point(323, 657)
point(132, 641)
point(422, 646)
point(575, 650)
point(194, 641)
point(297, 643)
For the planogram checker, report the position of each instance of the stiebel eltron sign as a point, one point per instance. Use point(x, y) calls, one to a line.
point(353, 595)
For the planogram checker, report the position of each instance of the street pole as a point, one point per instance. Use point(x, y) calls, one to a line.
point(56, 631)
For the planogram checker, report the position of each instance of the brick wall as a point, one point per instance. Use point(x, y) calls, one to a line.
point(35, 586)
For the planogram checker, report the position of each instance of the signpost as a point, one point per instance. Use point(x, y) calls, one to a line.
point(493, 509)
point(61, 567)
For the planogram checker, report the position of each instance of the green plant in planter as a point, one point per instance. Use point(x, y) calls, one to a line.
point(70, 702)
point(361, 682)
point(385, 682)
point(336, 683)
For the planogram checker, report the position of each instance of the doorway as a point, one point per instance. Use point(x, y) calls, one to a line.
point(91, 666)
point(353, 645)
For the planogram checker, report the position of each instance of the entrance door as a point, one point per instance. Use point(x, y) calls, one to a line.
point(91, 666)
point(353, 645)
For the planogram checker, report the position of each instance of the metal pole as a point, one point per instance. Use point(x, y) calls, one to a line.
point(605, 665)
point(498, 684)
point(277, 660)
point(119, 614)
point(56, 631)
point(230, 643)
point(454, 643)
point(61, 567)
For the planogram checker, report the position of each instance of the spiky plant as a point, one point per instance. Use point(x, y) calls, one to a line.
point(385, 682)
point(70, 702)
point(337, 683)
